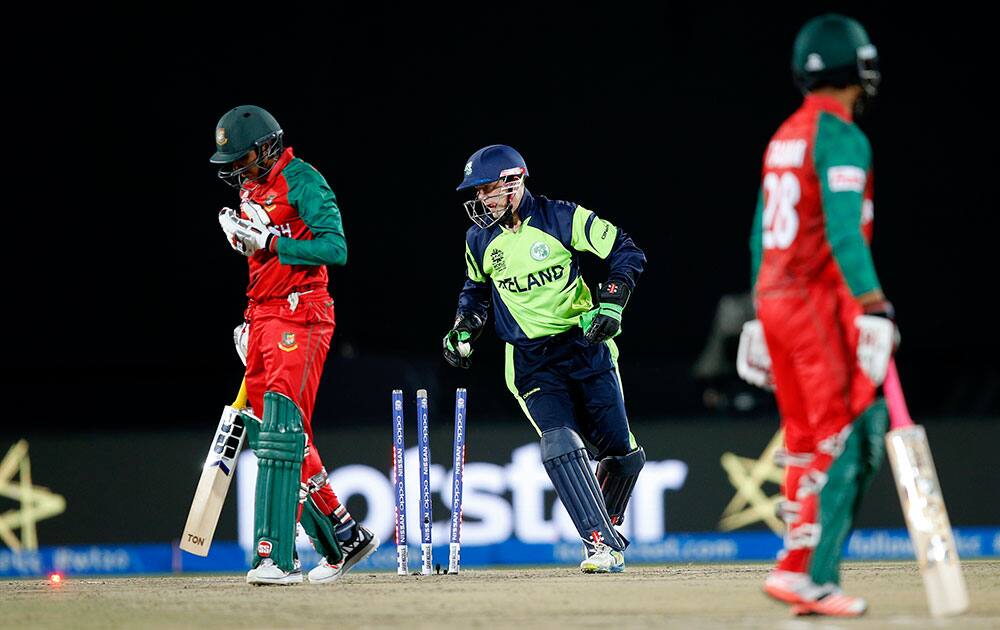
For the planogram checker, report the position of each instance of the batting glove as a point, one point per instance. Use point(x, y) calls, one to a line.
point(245, 236)
point(241, 336)
point(878, 338)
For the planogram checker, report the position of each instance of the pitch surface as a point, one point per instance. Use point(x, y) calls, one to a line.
point(688, 596)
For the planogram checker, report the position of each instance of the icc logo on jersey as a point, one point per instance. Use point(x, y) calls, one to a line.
point(539, 251)
point(496, 256)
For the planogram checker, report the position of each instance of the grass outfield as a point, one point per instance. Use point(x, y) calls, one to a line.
point(688, 596)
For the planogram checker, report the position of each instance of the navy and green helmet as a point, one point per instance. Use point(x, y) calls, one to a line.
point(834, 50)
point(491, 163)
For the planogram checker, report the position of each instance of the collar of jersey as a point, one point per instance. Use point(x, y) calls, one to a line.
point(829, 104)
point(526, 209)
point(286, 157)
point(524, 223)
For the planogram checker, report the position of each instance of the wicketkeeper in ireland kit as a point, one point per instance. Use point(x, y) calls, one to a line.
point(522, 257)
point(827, 327)
point(289, 228)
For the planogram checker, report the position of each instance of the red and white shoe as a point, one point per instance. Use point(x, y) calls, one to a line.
point(790, 587)
point(834, 603)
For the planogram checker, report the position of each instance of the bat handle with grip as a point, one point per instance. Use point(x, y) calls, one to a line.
point(241, 398)
point(899, 415)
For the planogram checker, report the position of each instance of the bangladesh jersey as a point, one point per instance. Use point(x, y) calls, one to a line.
point(304, 215)
point(532, 276)
point(814, 211)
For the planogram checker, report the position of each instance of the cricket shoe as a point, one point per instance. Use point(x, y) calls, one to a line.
point(601, 559)
point(357, 549)
point(267, 572)
point(833, 603)
point(791, 587)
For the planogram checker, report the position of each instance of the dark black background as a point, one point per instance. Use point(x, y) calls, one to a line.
point(124, 294)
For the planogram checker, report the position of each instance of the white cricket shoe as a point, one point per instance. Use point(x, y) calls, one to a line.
point(363, 545)
point(267, 572)
point(602, 559)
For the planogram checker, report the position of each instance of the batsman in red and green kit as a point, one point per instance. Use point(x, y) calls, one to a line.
point(289, 227)
point(813, 277)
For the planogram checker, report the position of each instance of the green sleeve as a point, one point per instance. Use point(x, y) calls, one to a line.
point(756, 239)
point(592, 234)
point(317, 205)
point(842, 160)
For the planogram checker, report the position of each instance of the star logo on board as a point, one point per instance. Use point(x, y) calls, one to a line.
point(751, 503)
point(35, 502)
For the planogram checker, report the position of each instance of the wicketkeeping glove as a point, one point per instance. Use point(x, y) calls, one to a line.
point(604, 321)
point(457, 344)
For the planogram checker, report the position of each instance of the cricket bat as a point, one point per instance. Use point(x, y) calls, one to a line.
point(215, 477)
point(923, 505)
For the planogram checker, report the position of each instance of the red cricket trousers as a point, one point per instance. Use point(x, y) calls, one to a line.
point(820, 388)
point(286, 351)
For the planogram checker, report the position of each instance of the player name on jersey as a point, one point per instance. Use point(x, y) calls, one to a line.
point(786, 153)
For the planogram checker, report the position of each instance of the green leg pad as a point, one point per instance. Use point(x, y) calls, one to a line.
point(280, 448)
point(848, 480)
point(877, 418)
point(252, 424)
point(322, 532)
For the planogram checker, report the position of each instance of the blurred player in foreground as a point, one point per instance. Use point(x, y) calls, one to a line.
point(522, 257)
point(289, 228)
point(826, 334)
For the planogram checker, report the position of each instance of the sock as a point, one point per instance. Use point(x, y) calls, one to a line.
point(346, 529)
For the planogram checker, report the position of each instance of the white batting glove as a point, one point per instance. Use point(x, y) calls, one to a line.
point(753, 361)
point(245, 236)
point(877, 339)
point(226, 216)
point(255, 212)
point(241, 335)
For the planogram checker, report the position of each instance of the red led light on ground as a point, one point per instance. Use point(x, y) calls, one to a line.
point(55, 579)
